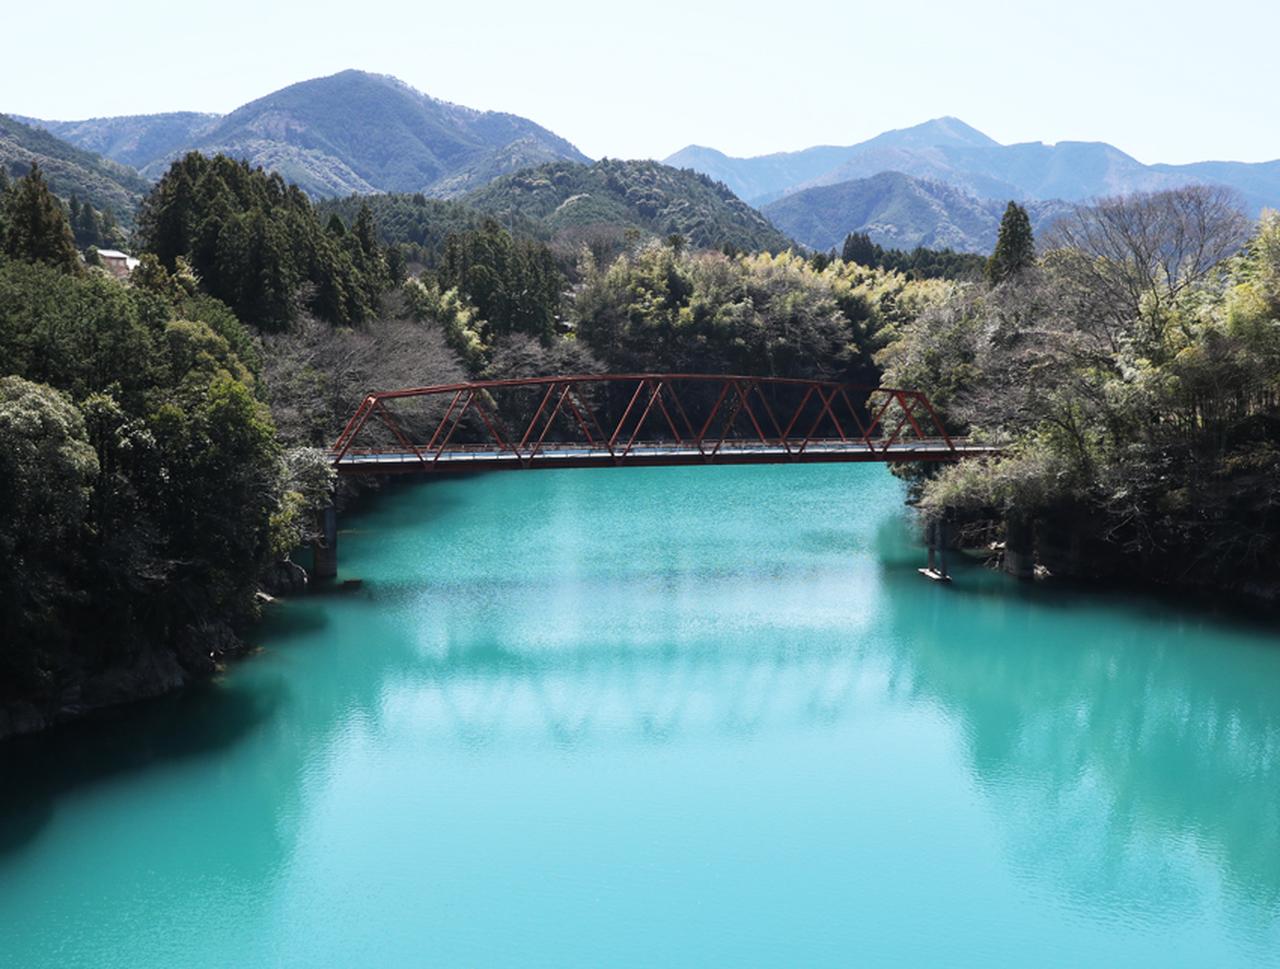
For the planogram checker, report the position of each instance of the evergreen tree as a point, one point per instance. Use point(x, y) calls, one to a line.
point(85, 225)
point(37, 229)
point(859, 248)
point(1015, 247)
point(257, 244)
point(365, 231)
point(4, 209)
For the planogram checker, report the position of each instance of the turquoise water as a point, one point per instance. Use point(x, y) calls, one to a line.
point(668, 717)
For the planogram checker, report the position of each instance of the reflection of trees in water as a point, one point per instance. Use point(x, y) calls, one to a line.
point(1120, 755)
point(1093, 787)
point(1120, 759)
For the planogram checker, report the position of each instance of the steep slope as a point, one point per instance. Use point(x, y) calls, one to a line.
point(358, 132)
point(567, 199)
point(135, 141)
point(898, 211)
point(71, 171)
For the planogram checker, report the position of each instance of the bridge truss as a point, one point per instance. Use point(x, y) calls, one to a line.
point(639, 419)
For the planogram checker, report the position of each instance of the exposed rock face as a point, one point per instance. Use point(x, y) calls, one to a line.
point(154, 672)
point(286, 578)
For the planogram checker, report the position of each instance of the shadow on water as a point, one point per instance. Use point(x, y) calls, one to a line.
point(1092, 732)
point(201, 722)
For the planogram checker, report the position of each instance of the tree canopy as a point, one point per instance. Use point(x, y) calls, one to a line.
point(258, 245)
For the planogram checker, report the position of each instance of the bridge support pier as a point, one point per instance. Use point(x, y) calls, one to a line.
point(325, 548)
point(936, 538)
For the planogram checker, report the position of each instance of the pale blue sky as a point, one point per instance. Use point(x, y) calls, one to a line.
point(1173, 81)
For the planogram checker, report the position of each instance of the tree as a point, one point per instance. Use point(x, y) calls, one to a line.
point(257, 244)
point(1130, 258)
point(36, 229)
point(47, 467)
point(513, 283)
point(859, 248)
point(1015, 246)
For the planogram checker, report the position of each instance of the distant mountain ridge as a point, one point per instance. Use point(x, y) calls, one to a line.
point(949, 151)
point(69, 171)
point(349, 132)
point(901, 212)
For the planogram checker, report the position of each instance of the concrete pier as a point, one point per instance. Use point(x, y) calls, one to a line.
point(325, 548)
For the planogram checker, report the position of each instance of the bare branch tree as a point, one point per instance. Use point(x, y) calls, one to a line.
point(1139, 253)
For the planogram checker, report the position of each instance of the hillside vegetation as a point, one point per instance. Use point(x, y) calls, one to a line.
point(1133, 373)
point(582, 203)
point(134, 140)
point(104, 184)
point(898, 211)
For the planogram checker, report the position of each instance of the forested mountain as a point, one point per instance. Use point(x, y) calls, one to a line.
point(947, 150)
point(569, 202)
point(104, 184)
point(134, 140)
point(765, 177)
point(898, 211)
point(350, 132)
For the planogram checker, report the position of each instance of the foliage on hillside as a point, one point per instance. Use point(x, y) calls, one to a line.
point(257, 244)
point(133, 140)
point(605, 204)
point(417, 224)
point(662, 309)
point(141, 486)
point(898, 211)
point(106, 185)
point(1136, 374)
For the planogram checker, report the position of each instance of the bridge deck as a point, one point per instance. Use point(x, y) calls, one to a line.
point(486, 458)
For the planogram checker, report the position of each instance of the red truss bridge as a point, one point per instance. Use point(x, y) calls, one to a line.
point(608, 420)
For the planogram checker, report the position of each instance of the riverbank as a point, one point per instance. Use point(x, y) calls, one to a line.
point(152, 673)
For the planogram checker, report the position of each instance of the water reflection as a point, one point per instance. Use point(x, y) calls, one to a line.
point(1126, 755)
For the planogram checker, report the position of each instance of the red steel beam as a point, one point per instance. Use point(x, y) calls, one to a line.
point(567, 392)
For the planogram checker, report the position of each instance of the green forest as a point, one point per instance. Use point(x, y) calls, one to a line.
point(163, 436)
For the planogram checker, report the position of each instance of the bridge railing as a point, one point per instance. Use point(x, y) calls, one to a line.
point(622, 415)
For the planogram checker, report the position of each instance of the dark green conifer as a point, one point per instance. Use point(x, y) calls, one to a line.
point(858, 248)
point(1015, 247)
point(36, 229)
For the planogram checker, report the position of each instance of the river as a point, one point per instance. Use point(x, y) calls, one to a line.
point(668, 717)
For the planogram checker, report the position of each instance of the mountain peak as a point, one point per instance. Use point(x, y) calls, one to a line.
point(944, 132)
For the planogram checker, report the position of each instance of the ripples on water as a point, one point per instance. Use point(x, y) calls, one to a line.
point(669, 717)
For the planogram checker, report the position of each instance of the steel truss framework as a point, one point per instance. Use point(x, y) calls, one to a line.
point(748, 420)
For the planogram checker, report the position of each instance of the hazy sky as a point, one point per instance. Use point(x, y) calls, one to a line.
point(1171, 81)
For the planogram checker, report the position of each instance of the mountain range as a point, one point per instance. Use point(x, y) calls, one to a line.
point(949, 151)
point(940, 183)
point(349, 132)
